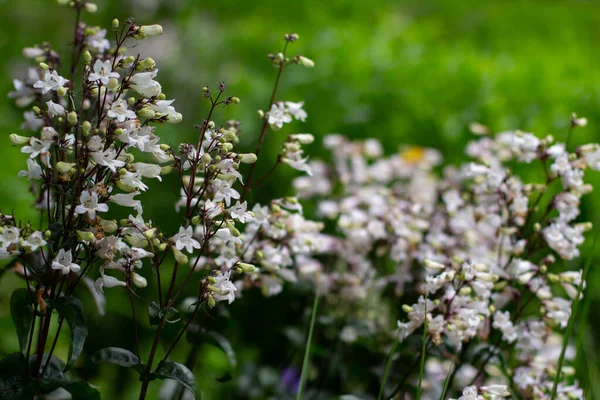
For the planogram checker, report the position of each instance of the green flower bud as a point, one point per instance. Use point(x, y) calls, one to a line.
point(109, 226)
point(149, 233)
point(249, 268)
point(18, 140)
point(167, 169)
point(62, 91)
point(307, 62)
point(406, 308)
point(72, 118)
point(87, 57)
point(85, 236)
point(138, 280)
point(179, 256)
point(64, 167)
point(113, 83)
point(44, 66)
point(195, 220)
point(151, 30)
point(86, 126)
point(115, 23)
point(211, 301)
point(90, 7)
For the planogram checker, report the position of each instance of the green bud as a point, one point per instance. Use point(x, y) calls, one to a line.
point(113, 83)
point(138, 280)
point(307, 62)
point(87, 57)
point(149, 233)
point(109, 226)
point(151, 30)
point(162, 247)
point(72, 118)
point(195, 220)
point(64, 167)
point(85, 236)
point(36, 110)
point(115, 23)
point(167, 169)
point(62, 91)
point(247, 267)
point(235, 99)
point(211, 301)
point(18, 140)
point(406, 308)
point(179, 256)
point(44, 66)
point(90, 7)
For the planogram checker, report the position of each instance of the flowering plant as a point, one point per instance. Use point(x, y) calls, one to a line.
point(455, 273)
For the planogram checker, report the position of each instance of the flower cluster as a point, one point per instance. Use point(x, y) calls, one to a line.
point(476, 248)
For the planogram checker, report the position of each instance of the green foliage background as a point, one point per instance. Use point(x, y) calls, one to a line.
point(405, 72)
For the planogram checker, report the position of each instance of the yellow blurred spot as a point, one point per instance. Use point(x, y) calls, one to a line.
point(413, 155)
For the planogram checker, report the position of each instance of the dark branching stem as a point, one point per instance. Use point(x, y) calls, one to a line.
point(265, 126)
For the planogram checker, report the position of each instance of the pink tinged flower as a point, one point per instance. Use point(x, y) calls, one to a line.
point(278, 116)
point(63, 262)
point(89, 204)
point(119, 111)
point(102, 72)
point(184, 239)
point(296, 110)
point(107, 281)
point(52, 81)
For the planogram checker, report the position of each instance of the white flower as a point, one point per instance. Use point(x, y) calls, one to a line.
point(503, 322)
point(63, 262)
point(278, 116)
point(34, 241)
point(32, 122)
point(224, 191)
point(108, 158)
point(52, 81)
point(238, 211)
point(296, 110)
point(470, 393)
point(55, 109)
point(144, 84)
point(36, 147)
point(184, 239)
point(9, 235)
point(127, 200)
point(98, 41)
point(223, 289)
point(102, 72)
point(89, 204)
point(296, 161)
point(34, 171)
point(119, 111)
point(107, 281)
point(495, 390)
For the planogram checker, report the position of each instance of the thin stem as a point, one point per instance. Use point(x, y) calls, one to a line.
point(60, 324)
point(135, 327)
point(31, 333)
point(306, 360)
point(448, 380)
point(387, 367)
point(572, 318)
point(265, 126)
point(423, 350)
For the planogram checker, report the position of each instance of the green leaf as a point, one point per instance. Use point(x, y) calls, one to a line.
point(14, 383)
point(178, 372)
point(71, 309)
point(79, 390)
point(224, 344)
point(118, 356)
point(21, 310)
point(154, 312)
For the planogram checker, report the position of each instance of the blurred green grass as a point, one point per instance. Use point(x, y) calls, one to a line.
point(415, 72)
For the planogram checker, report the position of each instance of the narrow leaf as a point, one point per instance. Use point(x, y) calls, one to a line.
point(118, 356)
point(178, 372)
point(71, 309)
point(21, 310)
point(228, 349)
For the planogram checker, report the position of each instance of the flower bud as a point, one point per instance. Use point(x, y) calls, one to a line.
point(146, 112)
point(84, 236)
point(247, 267)
point(109, 226)
point(72, 118)
point(162, 246)
point(62, 91)
point(304, 138)
point(90, 7)
point(148, 63)
point(406, 308)
point(433, 264)
point(115, 23)
point(234, 99)
point(195, 220)
point(86, 126)
point(211, 301)
point(167, 169)
point(151, 30)
point(113, 83)
point(32, 52)
point(44, 66)
point(307, 62)
point(64, 167)
point(175, 118)
point(18, 139)
point(138, 280)
point(179, 256)
point(248, 158)
point(149, 233)
point(87, 57)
